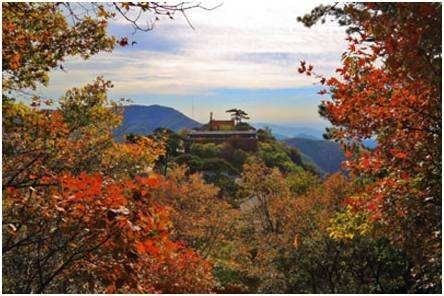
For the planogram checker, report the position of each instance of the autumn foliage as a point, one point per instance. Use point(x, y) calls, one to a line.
point(82, 227)
point(389, 88)
point(81, 212)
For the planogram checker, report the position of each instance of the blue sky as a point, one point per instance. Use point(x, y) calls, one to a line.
point(244, 54)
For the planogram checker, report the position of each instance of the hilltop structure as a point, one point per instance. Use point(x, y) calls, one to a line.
point(218, 131)
point(220, 125)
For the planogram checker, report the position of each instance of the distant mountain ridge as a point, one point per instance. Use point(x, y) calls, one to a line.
point(142, 120)
point(283, 132)
point(290, 131)
point(327, 155)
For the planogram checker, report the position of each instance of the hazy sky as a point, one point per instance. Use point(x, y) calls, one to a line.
point(244, 54)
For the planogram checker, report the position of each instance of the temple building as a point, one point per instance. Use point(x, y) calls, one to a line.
point(220, 125)
point(218, 131)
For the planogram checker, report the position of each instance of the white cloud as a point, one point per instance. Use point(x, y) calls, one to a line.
point(242, 44)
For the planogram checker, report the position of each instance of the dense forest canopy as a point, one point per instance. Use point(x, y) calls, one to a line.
point(83, 213)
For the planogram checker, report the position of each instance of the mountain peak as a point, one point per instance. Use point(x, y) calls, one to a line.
point(143, 119)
